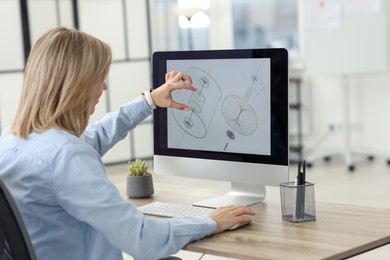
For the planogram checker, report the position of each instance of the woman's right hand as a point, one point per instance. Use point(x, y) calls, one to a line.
point(229, 216)
point(174, 80)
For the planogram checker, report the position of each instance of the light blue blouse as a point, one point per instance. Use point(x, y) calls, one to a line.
point(72, 210)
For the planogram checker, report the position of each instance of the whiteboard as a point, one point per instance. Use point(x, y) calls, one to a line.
point(343, 41)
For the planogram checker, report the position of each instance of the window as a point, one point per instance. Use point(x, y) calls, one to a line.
point(266, 23)
point(255, 24)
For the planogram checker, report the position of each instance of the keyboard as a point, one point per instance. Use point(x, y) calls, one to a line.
point(164, 209)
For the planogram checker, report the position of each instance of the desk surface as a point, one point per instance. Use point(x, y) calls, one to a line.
point(339, 231)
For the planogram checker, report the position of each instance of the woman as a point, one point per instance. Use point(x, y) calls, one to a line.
point(51, 161)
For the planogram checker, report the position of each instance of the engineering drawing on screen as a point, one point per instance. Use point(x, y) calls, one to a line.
point(202, 103)
point(237, 111)
point(230, 111)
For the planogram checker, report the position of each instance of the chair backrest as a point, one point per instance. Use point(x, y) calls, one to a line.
point(15, 242)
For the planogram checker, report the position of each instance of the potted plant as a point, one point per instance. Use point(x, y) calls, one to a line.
point(139, 180)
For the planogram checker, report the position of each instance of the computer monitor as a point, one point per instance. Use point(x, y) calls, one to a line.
point(237, 127)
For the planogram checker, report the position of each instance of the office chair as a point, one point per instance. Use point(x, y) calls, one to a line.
point(15, 242)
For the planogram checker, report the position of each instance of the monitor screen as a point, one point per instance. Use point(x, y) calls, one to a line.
point(238, 116)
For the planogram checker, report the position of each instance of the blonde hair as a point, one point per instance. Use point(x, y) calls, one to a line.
point(63, 74)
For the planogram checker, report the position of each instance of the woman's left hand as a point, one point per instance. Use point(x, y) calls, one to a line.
point(173, 80)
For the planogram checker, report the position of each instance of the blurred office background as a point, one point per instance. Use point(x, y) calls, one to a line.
point(137, 28)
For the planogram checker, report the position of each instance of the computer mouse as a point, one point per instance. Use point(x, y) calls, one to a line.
point(238, 225)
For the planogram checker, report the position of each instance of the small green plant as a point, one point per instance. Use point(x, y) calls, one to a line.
point(138, 168)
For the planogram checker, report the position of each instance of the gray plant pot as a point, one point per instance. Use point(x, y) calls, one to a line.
point(139, 186)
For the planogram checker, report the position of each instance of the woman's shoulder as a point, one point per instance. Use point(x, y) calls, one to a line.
point(43, 148)
point(49, 143)
point(53, 137)
point(37, 141)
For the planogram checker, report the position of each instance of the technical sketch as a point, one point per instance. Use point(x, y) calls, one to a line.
point(203, 103)
point(253, 81)
point(230, 111)
point(238, 113)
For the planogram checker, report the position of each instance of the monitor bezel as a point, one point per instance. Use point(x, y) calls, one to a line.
point(279, 105)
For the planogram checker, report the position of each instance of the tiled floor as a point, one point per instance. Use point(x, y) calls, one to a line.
point(368, 185)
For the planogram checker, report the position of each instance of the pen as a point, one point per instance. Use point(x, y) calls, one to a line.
point(300, 197)
point(300, 177)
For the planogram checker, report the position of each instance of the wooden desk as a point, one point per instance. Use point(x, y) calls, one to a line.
point(340, 231)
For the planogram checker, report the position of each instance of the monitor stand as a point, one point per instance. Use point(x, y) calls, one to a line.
point(239, 194)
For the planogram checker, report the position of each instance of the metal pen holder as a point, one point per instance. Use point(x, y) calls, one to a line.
point(297, 202)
